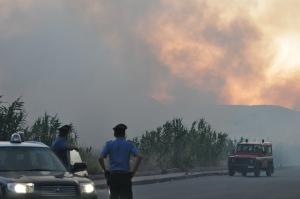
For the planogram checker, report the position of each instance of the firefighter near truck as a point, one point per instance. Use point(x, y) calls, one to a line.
point(251, 157)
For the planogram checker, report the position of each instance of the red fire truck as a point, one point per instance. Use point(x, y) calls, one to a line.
point(251, 157)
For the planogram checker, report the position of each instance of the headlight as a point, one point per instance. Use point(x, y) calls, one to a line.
point(20, 188)
point(87, 188)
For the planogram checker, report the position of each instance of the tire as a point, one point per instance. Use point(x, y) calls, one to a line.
point(244, 173)
point(257, 170)
point(1, 194)
point(269, 171)
point(231, 172)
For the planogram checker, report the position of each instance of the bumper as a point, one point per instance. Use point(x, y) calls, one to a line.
point(242, 168)
point(36, 196)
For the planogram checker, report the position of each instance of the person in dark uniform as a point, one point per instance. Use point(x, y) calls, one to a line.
point(119, 174)
point(61, 147)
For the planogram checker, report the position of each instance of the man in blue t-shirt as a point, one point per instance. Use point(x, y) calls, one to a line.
point(119, 174)
point(61, 147)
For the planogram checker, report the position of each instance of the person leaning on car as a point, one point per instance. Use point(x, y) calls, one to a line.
point(119, 174)
point(61, 146)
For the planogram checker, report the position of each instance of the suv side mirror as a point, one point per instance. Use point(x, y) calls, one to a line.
point(79, 166)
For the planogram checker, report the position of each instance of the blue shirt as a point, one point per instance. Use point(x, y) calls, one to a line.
point(119, 152)
point(59, 147)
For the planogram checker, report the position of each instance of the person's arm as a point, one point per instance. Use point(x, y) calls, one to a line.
point(137, 162)
point(103, 167)
point(102, 163)
point(138, 158)
point(101, 160)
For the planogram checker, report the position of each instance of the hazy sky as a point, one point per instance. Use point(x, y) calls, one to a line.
point(100, 62)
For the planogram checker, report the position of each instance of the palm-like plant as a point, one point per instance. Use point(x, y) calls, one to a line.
point(174, 145)
point(12, 118)
point(44, 129)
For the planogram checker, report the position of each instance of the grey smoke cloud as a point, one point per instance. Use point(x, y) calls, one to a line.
point(88, 62)
point(92, 71)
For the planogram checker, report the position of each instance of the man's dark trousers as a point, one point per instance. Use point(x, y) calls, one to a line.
point(120, 185)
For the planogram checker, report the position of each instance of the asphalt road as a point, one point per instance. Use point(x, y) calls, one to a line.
point(284, 184)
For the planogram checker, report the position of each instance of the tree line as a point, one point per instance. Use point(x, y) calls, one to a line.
point(173, 145)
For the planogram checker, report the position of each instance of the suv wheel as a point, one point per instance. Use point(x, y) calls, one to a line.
point(257, 170)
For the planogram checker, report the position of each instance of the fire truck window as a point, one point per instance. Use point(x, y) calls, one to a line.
point(257, 149)
point(245, 148)
point(268, 149)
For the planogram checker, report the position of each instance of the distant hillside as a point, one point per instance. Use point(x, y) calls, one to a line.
point(257, 122)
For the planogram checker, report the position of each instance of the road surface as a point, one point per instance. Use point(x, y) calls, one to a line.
point(284, 184)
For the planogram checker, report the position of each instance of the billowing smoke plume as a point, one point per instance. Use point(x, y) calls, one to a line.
point(243, 51)
point(246, 51)
point(99, 62)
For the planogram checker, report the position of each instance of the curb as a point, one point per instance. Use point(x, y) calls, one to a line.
point(167, 179)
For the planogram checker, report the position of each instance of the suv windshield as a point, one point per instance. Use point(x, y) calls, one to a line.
point(29, 159)
point(249, 148)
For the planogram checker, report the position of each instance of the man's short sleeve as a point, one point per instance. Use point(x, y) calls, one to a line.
point(105, 150)
point(134, 151)
point(59, 145)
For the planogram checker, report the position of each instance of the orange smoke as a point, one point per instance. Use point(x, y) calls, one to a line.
point(235, 48)
point(12, 14)
point(160, 93)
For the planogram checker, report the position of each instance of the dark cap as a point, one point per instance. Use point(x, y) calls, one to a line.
point(120, 127)
point(65, 128)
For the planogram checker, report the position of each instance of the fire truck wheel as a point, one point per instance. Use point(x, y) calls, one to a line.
point(269, 171)
point(244, 173)
point(257, 170)
point(231, 172)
